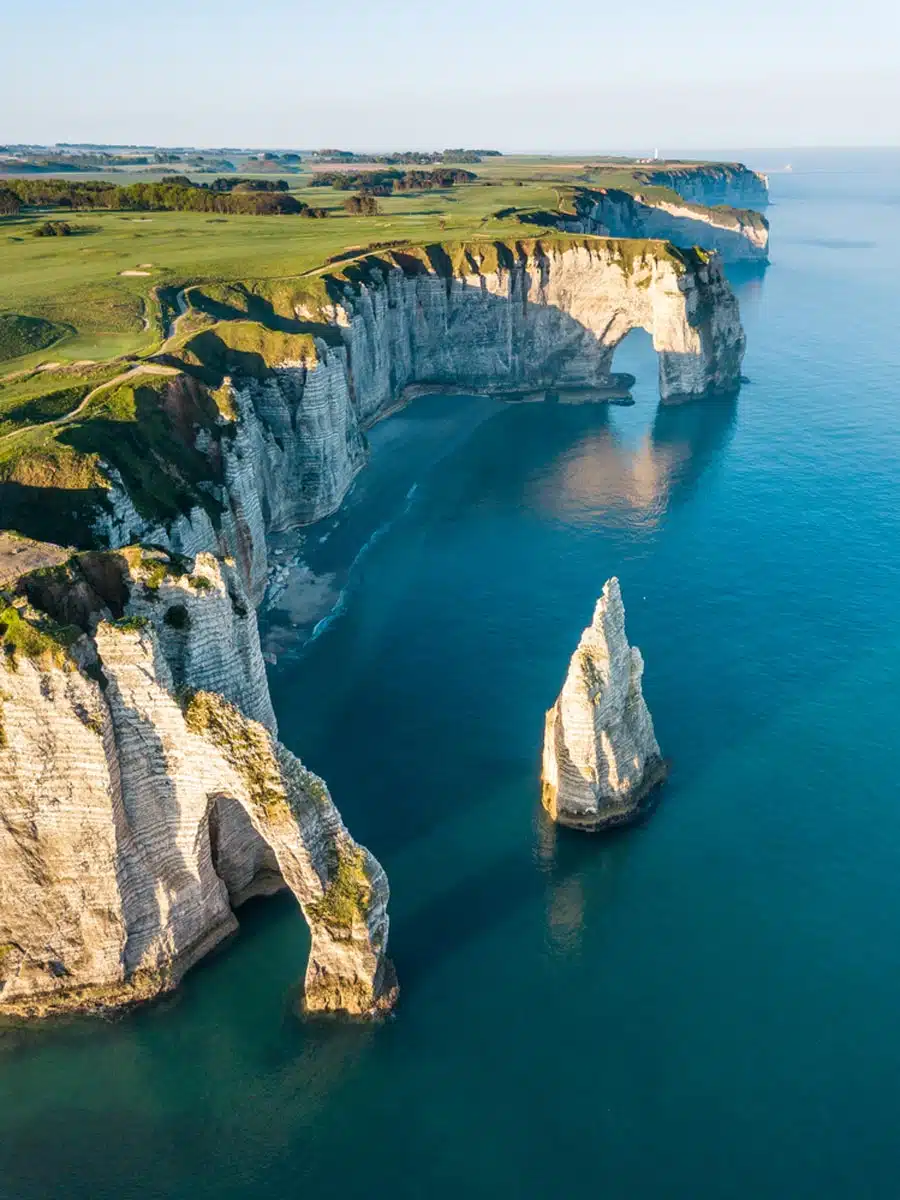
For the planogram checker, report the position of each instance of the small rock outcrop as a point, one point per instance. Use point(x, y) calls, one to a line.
point(601, 758)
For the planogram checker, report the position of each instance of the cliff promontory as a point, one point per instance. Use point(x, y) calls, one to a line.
point(143, 795)
point(601, 758)
point(736, 234)
point(711, 183)
point(243, 426)
point(138, 808)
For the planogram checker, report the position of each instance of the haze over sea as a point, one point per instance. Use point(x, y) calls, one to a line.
point(704, 1006)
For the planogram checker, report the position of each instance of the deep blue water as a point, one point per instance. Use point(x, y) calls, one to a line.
point(705, 1006)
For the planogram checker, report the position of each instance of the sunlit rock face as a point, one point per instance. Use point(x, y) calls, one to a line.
point(601, 759)
point(716, 183)
point(138, 808)
point(547, 316)
point(737, 235)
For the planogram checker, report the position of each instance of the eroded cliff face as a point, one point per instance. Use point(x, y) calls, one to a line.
point(601, 758)
point(543, 315)
point(293, 448)
point(550, 317)
point(142, 793)
point(737, 235)
point(715, 183)
point(137, 809)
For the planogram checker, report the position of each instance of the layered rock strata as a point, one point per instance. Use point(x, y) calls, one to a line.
point(542, 314)
point(714, 183)
point(601, 759)
point(142, 793)
point(737, 235)
point(137, 809)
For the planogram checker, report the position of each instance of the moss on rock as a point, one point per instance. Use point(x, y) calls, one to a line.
point(244, 744)
point(345, 901)
point(241, 347)
point(26, 633)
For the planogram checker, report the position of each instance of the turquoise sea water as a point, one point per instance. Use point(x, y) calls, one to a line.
point(704, 1006)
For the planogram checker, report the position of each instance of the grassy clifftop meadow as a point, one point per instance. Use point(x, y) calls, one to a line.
point(116, 312)
point(105, 287)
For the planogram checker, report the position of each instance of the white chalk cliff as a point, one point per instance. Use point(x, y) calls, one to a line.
point(737, 235)
point(540, 314)
point(143, 795)
point(713, 183)
point(137, 809)
point(601, 759)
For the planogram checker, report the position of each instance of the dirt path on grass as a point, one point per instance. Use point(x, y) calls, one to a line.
point(140, 369)
point(182, 306)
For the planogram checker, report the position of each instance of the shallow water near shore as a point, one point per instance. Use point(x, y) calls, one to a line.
point(702, 1006)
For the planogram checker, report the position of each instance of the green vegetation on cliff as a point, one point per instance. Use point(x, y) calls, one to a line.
point(109, 289)
point(244, 348)
point(144, 426)
point(345, 901)
point(26, 633)
point(36, 399)
point(244, 744)
point(67, 434)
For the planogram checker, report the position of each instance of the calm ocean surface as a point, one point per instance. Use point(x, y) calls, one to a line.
point(702, 1007)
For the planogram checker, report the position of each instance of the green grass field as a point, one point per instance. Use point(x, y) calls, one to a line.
point(77, 282)
point(96, 373)
point(77, 304)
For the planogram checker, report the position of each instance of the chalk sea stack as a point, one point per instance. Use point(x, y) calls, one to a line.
point(601, 758)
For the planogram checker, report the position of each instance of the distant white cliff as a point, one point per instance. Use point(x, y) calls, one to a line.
point(737, 235)
point(713, 183)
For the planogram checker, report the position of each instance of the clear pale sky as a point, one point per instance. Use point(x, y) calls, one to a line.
point(517, 75)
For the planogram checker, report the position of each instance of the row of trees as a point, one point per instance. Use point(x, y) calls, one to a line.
point(418, 157)
point(180, 195)
point(251, 196)
point(382, 183)
point(236, 184)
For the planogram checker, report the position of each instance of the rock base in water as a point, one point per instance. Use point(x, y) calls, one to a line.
point(641, 801)
point(601, 758)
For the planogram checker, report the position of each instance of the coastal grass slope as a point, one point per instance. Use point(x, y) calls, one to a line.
point(64, 428)
point(109, 289)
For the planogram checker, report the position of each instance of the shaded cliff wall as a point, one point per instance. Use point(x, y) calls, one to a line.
point(548, 316)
